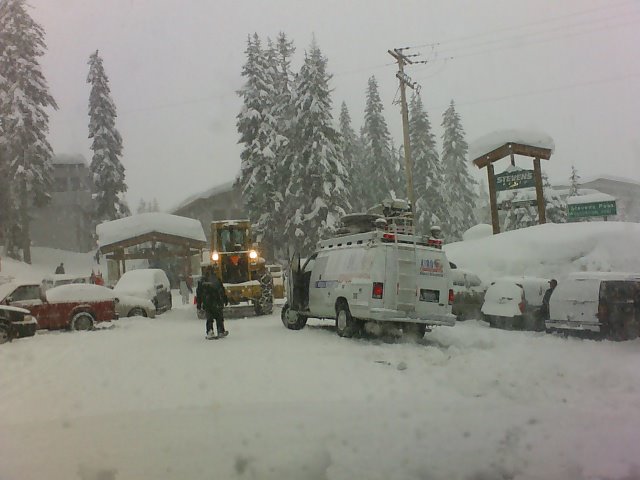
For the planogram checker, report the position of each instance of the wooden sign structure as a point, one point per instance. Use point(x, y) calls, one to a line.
point(510, 149)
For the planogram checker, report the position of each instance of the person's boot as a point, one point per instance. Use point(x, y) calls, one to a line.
point(224, 333)
point(210, 334)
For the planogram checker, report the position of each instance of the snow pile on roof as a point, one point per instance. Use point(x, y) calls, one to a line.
point(482, 230)
point(224, 187)
point(590, 198)
point(80, 292)
point(136, 225)
point(490, 142)
point(551, 250)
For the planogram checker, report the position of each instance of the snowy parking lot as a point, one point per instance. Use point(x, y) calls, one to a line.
point(154, 399)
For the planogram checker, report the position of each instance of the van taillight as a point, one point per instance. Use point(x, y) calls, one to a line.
point(521, 306)
point(451, 296)
point(378, 290)
point(388, 237)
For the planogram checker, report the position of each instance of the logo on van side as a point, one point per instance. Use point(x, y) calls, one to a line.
point(431, 267)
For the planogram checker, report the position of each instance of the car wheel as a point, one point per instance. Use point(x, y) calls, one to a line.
point(4, 334)
point(346, 325)
point(82, 321)
point(414, 331)
point(137, 312)
point(292, 320)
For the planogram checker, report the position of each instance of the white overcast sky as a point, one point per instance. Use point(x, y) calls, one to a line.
point(567, 67)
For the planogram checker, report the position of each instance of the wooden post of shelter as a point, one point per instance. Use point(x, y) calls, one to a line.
point(493, 199)
point(537, 171)
point(510, 149)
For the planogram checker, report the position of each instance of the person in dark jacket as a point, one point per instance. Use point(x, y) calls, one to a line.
point(544, 309)
point(60, 269)
point(211, 297)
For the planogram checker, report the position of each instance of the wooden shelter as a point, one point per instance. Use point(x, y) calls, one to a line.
point(497, 147)
point(151, 236)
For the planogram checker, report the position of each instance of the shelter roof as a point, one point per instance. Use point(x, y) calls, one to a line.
point(143, 227)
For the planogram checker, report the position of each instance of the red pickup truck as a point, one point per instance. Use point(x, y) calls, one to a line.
point(74, 314)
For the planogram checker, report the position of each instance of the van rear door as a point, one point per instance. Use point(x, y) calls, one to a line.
point(433, 281)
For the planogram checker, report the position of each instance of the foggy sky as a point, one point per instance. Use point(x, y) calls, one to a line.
point(571, 70)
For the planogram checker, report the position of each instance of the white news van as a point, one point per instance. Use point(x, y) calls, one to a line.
point(375, 274)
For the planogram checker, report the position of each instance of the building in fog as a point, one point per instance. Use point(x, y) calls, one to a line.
point(66, 222)
point(218, 203)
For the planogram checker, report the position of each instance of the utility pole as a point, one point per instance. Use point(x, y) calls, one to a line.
point(405, 81)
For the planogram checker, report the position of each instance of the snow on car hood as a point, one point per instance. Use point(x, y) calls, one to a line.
point(8, 308)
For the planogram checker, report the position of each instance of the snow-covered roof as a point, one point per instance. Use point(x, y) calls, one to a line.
point(136, 225)
point(224, 187)
point(611, 178)
point(604, 276)
point(67, 159)
point(591, 198)
point(491, 141)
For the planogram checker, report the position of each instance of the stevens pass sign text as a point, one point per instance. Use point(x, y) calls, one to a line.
point(515, 179)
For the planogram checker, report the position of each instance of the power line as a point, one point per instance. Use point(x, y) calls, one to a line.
point(544, 40)
point(551, 89)
point(608, 6)
point(518, 38)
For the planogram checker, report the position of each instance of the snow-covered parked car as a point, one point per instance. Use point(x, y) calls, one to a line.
point(149, 283)
point(601, 304)
point(64, 307)
point(513, 303)
point(126, 305)
point(468, 294)
point(16, 322)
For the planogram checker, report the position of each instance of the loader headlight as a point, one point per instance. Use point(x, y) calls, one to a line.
point(215, 257)
point(253, 254)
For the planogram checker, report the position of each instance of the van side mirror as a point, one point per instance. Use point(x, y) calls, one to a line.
point(9, 299)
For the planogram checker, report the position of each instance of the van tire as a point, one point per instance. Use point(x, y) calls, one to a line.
point(346, 325)
point(414, 331)
point(290, 320)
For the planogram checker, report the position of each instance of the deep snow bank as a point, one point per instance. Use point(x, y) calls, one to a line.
point(551, 250)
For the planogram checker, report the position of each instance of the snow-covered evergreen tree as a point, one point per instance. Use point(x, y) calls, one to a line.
point(25, 153)
point(142, 206)
point(353, 159)
point(430, 208)
point(459, 186)
point(574, 182)
point(258, 125)
point(382, 178)
point(527, 216)
point(106, 168)
point(555, 207)
point(318, 194)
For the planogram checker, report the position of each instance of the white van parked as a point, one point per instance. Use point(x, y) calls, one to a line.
point(375, 275)
point(598, 304)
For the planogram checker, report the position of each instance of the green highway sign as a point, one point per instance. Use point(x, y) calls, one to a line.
point(515, 179)
point(594, 209)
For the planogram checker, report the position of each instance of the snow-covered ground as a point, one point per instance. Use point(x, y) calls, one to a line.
point(154, 399)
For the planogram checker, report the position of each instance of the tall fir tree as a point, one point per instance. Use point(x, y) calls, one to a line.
point(459, 186)
point(574, 180)
point(25, 153)
point(106, 168)
point(318, 193)
point(258, 125)
point(353, 158)
point(382, 167)
point(430, 209)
